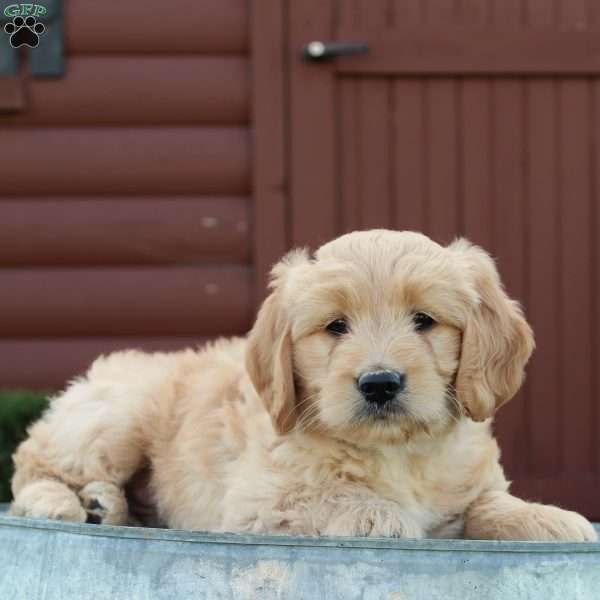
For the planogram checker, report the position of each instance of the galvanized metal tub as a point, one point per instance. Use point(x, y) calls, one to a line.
point(58, 561)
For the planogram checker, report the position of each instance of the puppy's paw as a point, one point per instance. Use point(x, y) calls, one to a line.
point(104, 503)
point(555, 524)
point(373, 519)
point(48, 499)
point(498, 515)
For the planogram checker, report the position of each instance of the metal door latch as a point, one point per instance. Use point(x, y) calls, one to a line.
point(320, 51)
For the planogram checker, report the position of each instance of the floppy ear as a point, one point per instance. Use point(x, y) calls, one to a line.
point(497, 340)
point(269, 363)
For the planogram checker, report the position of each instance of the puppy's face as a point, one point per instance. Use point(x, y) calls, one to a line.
point(376, 338)
point(366, 340)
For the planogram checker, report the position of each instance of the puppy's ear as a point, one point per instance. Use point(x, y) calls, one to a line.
point(269, 351)
point(497, 341)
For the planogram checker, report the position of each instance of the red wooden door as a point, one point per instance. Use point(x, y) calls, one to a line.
point(477, 119)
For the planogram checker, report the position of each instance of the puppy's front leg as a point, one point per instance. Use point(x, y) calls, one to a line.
point(500, 516)
point(369, 516)
point(48, 499)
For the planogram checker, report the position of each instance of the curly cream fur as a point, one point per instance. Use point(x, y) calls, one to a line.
point(269, 433)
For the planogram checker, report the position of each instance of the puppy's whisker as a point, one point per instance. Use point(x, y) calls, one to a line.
point(310, 414)
point(311, 419)
point(296, 407)
point(311, 411)
point(304, 401)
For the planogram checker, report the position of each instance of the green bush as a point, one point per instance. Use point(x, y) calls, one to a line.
point(18, 410)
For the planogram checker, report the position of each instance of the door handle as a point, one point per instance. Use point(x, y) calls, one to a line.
point(317, 51)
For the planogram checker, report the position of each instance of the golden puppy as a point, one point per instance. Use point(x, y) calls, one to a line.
point(359, 404)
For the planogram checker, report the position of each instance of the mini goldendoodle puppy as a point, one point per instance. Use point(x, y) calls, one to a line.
point(359, 404)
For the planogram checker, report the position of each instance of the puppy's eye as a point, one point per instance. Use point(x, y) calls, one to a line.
point(338, 327)
point(423, 321)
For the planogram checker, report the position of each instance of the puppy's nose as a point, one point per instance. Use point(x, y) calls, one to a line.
point(381, 386)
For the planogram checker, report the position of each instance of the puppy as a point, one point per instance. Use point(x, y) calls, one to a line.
point(359, 404)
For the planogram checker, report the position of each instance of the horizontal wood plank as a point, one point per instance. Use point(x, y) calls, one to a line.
point(123, 231)
point(142, 160)
point(154, 301)
point(175, 26)
point(47, 364)
point(12, 95)
point(473, 51)
point(114, 90)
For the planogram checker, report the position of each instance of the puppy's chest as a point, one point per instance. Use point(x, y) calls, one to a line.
point(367, 497)
point(369, 477)
point(397, 480)
point(423, 486)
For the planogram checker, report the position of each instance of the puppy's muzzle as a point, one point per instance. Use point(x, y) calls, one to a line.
point(380, 387)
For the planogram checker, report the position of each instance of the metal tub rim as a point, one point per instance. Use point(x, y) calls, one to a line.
point(200, 537)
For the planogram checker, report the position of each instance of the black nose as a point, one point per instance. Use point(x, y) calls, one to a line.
point(381, 386)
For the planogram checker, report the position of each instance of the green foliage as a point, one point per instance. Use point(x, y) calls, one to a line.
point(18, 410)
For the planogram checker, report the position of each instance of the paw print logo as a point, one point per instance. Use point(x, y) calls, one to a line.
point(24, 32)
